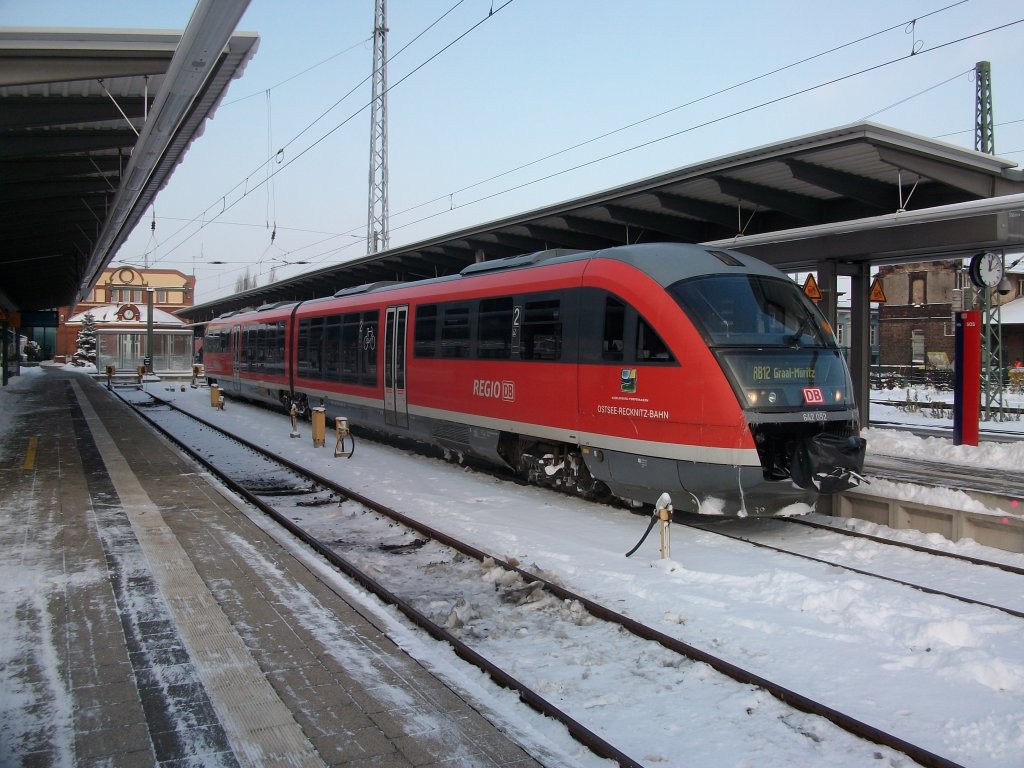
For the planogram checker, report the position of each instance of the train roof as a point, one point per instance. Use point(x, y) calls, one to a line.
point(668, 263)
point(665, 263)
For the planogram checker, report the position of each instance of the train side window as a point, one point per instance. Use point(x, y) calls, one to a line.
point(425, 341)
point(494, 329)
point(649, 346)
point(267, 340)
point(302, 349)
point(316, 351)
point(278, 348)
point(368, 358)
point(243, 349)
point(455, 335)
point(359, 348)
point(266, 348)
point(542, 330)
point(249, 340)
point(258, 359)
point(351, 331)
point(614, 329)
point(332, 348)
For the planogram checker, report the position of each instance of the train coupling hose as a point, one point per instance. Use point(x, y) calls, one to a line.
point(662, 514)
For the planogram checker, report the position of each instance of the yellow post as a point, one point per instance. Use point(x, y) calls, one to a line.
point(319, 427)
point(197, 371)
point(215, 396)
point(111, 370)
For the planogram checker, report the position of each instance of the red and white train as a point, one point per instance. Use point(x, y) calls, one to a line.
point(630, 371)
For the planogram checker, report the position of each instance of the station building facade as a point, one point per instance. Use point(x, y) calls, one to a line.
point(918, 320)
point(120, 297)
point(122, 338)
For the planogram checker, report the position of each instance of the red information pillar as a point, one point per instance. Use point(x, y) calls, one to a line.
point(967, 378)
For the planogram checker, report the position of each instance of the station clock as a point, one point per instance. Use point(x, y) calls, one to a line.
point(986, 269)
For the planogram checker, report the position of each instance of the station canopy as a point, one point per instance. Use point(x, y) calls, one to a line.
point(793, 204)
point(92, 125)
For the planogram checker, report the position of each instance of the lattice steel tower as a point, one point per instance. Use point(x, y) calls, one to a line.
point(377, 216)
point(984, 134)
point(992, 315)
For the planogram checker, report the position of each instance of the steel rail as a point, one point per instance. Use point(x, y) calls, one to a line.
point(860, 571)
point(790, 698)
point(907, 545)
point(580, 732)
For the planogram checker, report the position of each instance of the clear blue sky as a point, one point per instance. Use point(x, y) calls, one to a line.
point(535, 78)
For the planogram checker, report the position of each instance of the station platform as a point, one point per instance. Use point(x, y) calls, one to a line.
point(147, 620)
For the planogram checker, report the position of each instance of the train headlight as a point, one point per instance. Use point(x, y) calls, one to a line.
point(762, 397)
point(840, 396)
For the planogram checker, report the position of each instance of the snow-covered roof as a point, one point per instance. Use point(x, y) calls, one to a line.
point(1013, 312)
point(127, 315)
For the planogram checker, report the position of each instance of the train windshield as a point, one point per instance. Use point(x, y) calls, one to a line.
point(775, 346)
point(751, 310)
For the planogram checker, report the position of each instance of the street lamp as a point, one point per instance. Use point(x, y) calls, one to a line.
point(149, 331)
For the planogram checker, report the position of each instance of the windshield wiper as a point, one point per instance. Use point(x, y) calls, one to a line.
point(793, 340)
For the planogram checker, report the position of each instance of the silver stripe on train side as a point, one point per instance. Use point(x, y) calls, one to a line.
point(700, 454)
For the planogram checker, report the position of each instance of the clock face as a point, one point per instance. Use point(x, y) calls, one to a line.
point(987, 269)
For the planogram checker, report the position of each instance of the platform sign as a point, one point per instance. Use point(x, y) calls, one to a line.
point(877, 292)
point(967, 378)
point(811, 288)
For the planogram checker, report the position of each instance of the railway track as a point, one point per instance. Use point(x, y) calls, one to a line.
point(945, 475)
point(388, 553)
point(957, 577)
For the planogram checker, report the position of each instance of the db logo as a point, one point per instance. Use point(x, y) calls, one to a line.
point(505, 390)
point(813, 396)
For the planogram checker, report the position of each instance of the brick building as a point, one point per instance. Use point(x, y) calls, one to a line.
point(126, 287)
point(916, 324)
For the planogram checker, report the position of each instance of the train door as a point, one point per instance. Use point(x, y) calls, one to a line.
point(236, 357)
point(396, 409)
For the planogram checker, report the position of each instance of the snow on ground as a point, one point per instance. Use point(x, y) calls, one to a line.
point(948, 676)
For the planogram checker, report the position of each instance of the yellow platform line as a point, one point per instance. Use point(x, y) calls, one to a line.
point(30, 454)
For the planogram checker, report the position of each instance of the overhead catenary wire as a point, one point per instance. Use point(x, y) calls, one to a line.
point(271, 199)
point(900, 25)
point(713, 121)
point(676, 108)
point(919, 93)
point(493, 11)
point(222, 200)
point(915, 52)
point(299, 74)
point(971, 130)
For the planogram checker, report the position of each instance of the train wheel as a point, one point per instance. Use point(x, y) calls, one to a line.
point(563, 469)
point(582, 482)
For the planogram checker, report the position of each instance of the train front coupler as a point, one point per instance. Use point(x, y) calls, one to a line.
point(828, 463)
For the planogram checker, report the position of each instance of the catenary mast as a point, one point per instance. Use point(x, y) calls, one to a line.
point(377, 217)
point(991, 320)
